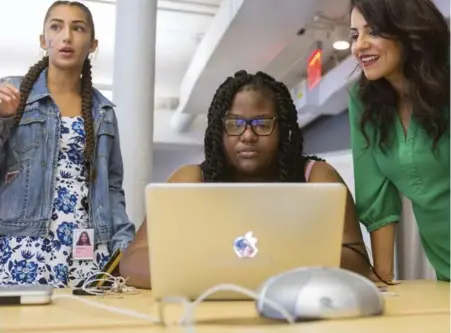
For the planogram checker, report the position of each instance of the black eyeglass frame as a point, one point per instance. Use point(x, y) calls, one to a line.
point(249, 122)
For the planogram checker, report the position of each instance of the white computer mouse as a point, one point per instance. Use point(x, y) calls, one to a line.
point(313, 293)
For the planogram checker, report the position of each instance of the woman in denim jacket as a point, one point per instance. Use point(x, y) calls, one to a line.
point(60, 161)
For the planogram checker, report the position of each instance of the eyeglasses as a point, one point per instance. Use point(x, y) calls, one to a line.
point(260, 126)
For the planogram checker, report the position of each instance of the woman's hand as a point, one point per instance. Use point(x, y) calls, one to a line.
point(388, 278)
point(9, 100)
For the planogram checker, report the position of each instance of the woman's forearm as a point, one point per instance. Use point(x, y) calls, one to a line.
point(383, 249)
point(134, 267)
point(354, 257)
point(134, 264)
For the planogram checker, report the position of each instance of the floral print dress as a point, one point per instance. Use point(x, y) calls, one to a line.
point(48, 260)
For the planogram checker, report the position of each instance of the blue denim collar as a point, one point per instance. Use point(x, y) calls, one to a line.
point(41, 91)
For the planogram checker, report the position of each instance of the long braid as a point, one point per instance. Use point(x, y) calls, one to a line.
point(27, 84)
point(86, 96)
point(86, 87)
point(291, 162)
point(86, 110)
point(214, 166)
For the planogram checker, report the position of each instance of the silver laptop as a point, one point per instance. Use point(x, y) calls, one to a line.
point(202, 235)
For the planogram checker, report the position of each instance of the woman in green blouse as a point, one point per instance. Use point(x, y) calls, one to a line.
point(399, 113)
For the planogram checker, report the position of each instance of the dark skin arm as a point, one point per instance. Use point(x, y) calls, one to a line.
point(323, 172)
point(134, 264)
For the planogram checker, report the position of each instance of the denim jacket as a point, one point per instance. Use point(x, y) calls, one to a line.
point(28, 159)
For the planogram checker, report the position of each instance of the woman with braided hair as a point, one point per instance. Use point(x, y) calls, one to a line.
point(60, 161)
point(252, 136)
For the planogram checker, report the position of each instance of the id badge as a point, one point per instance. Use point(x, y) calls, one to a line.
point(83, 244)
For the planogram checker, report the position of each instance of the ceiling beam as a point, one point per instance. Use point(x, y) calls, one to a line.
point(177, 6)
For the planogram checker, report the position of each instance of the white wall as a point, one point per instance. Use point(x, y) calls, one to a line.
point(167, 161)
point(342, 162)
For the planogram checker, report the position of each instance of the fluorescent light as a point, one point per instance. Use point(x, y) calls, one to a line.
point(340, 37)
point(341, 45)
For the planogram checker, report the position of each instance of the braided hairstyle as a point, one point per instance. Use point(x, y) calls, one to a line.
point(86, 87)
point(290, 159)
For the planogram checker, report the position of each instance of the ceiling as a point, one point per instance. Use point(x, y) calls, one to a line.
point(290, 65)
point(257, 39)
point(257, 35)
point(198, 44)
point(181, 24)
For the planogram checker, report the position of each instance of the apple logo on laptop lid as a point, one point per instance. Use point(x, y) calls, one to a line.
point(245, 246)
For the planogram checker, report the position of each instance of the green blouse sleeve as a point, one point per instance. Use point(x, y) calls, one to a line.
point(377, 199)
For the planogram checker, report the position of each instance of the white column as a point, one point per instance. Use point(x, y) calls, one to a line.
point(181, 122)
point(133, 93)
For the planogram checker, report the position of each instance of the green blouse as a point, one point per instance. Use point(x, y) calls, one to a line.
point(409, 167)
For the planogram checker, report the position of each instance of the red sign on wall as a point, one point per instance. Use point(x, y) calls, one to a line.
point(314, 69)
